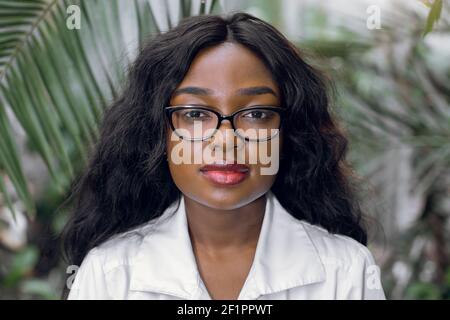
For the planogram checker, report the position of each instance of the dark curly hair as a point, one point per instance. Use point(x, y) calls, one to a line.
point(128, 183)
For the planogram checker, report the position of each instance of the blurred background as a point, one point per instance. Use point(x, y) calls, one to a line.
point(62, 62)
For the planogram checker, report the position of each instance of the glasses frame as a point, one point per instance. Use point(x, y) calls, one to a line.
point(221, 117)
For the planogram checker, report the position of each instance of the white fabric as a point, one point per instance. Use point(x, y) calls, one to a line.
point(293, 260)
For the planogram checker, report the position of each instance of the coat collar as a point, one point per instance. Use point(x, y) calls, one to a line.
point(285, 256)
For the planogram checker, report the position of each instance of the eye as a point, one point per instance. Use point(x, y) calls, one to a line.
point(196, 114)
point(257, 115)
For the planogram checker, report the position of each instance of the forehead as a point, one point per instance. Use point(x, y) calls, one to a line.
point(228, 66)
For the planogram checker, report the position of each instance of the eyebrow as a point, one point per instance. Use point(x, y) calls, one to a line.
point(250, 91)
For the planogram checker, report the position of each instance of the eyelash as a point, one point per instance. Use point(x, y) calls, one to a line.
point(208, 106)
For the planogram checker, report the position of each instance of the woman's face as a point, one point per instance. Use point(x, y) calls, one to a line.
point(222, 72)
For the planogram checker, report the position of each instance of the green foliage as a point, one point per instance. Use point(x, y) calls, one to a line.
point(423, 291)
point(433, 16)
point(429, 291)
point(39, 288)
point(22, 265)
point(57, 81)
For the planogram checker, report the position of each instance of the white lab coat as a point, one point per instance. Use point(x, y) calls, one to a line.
point(293, 260)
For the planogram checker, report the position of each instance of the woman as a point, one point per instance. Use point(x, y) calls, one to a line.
point(173, 204)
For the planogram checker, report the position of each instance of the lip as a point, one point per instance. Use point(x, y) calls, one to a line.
point(225, 174)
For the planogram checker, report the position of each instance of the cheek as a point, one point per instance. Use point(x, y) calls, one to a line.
point(182, 168)
point(185, 176)
point(265, 157)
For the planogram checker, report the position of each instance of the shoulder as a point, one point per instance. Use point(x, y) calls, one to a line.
point(105, 270)
point(119, 250)
point(348, 262)
point(337, 249)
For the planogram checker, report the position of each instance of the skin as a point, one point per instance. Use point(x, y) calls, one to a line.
point(224, 221)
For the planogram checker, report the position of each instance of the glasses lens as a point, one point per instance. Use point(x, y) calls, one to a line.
point(257, 124)
point(193, 123)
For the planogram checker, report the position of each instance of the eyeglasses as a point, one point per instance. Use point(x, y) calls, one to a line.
point(196, 123)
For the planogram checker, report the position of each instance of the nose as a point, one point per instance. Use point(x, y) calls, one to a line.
point(224, 138)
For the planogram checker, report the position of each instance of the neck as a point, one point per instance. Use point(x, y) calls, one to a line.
point(217, 230)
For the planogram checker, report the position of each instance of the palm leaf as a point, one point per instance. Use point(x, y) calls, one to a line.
point(56, 81)
point(433, 16)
